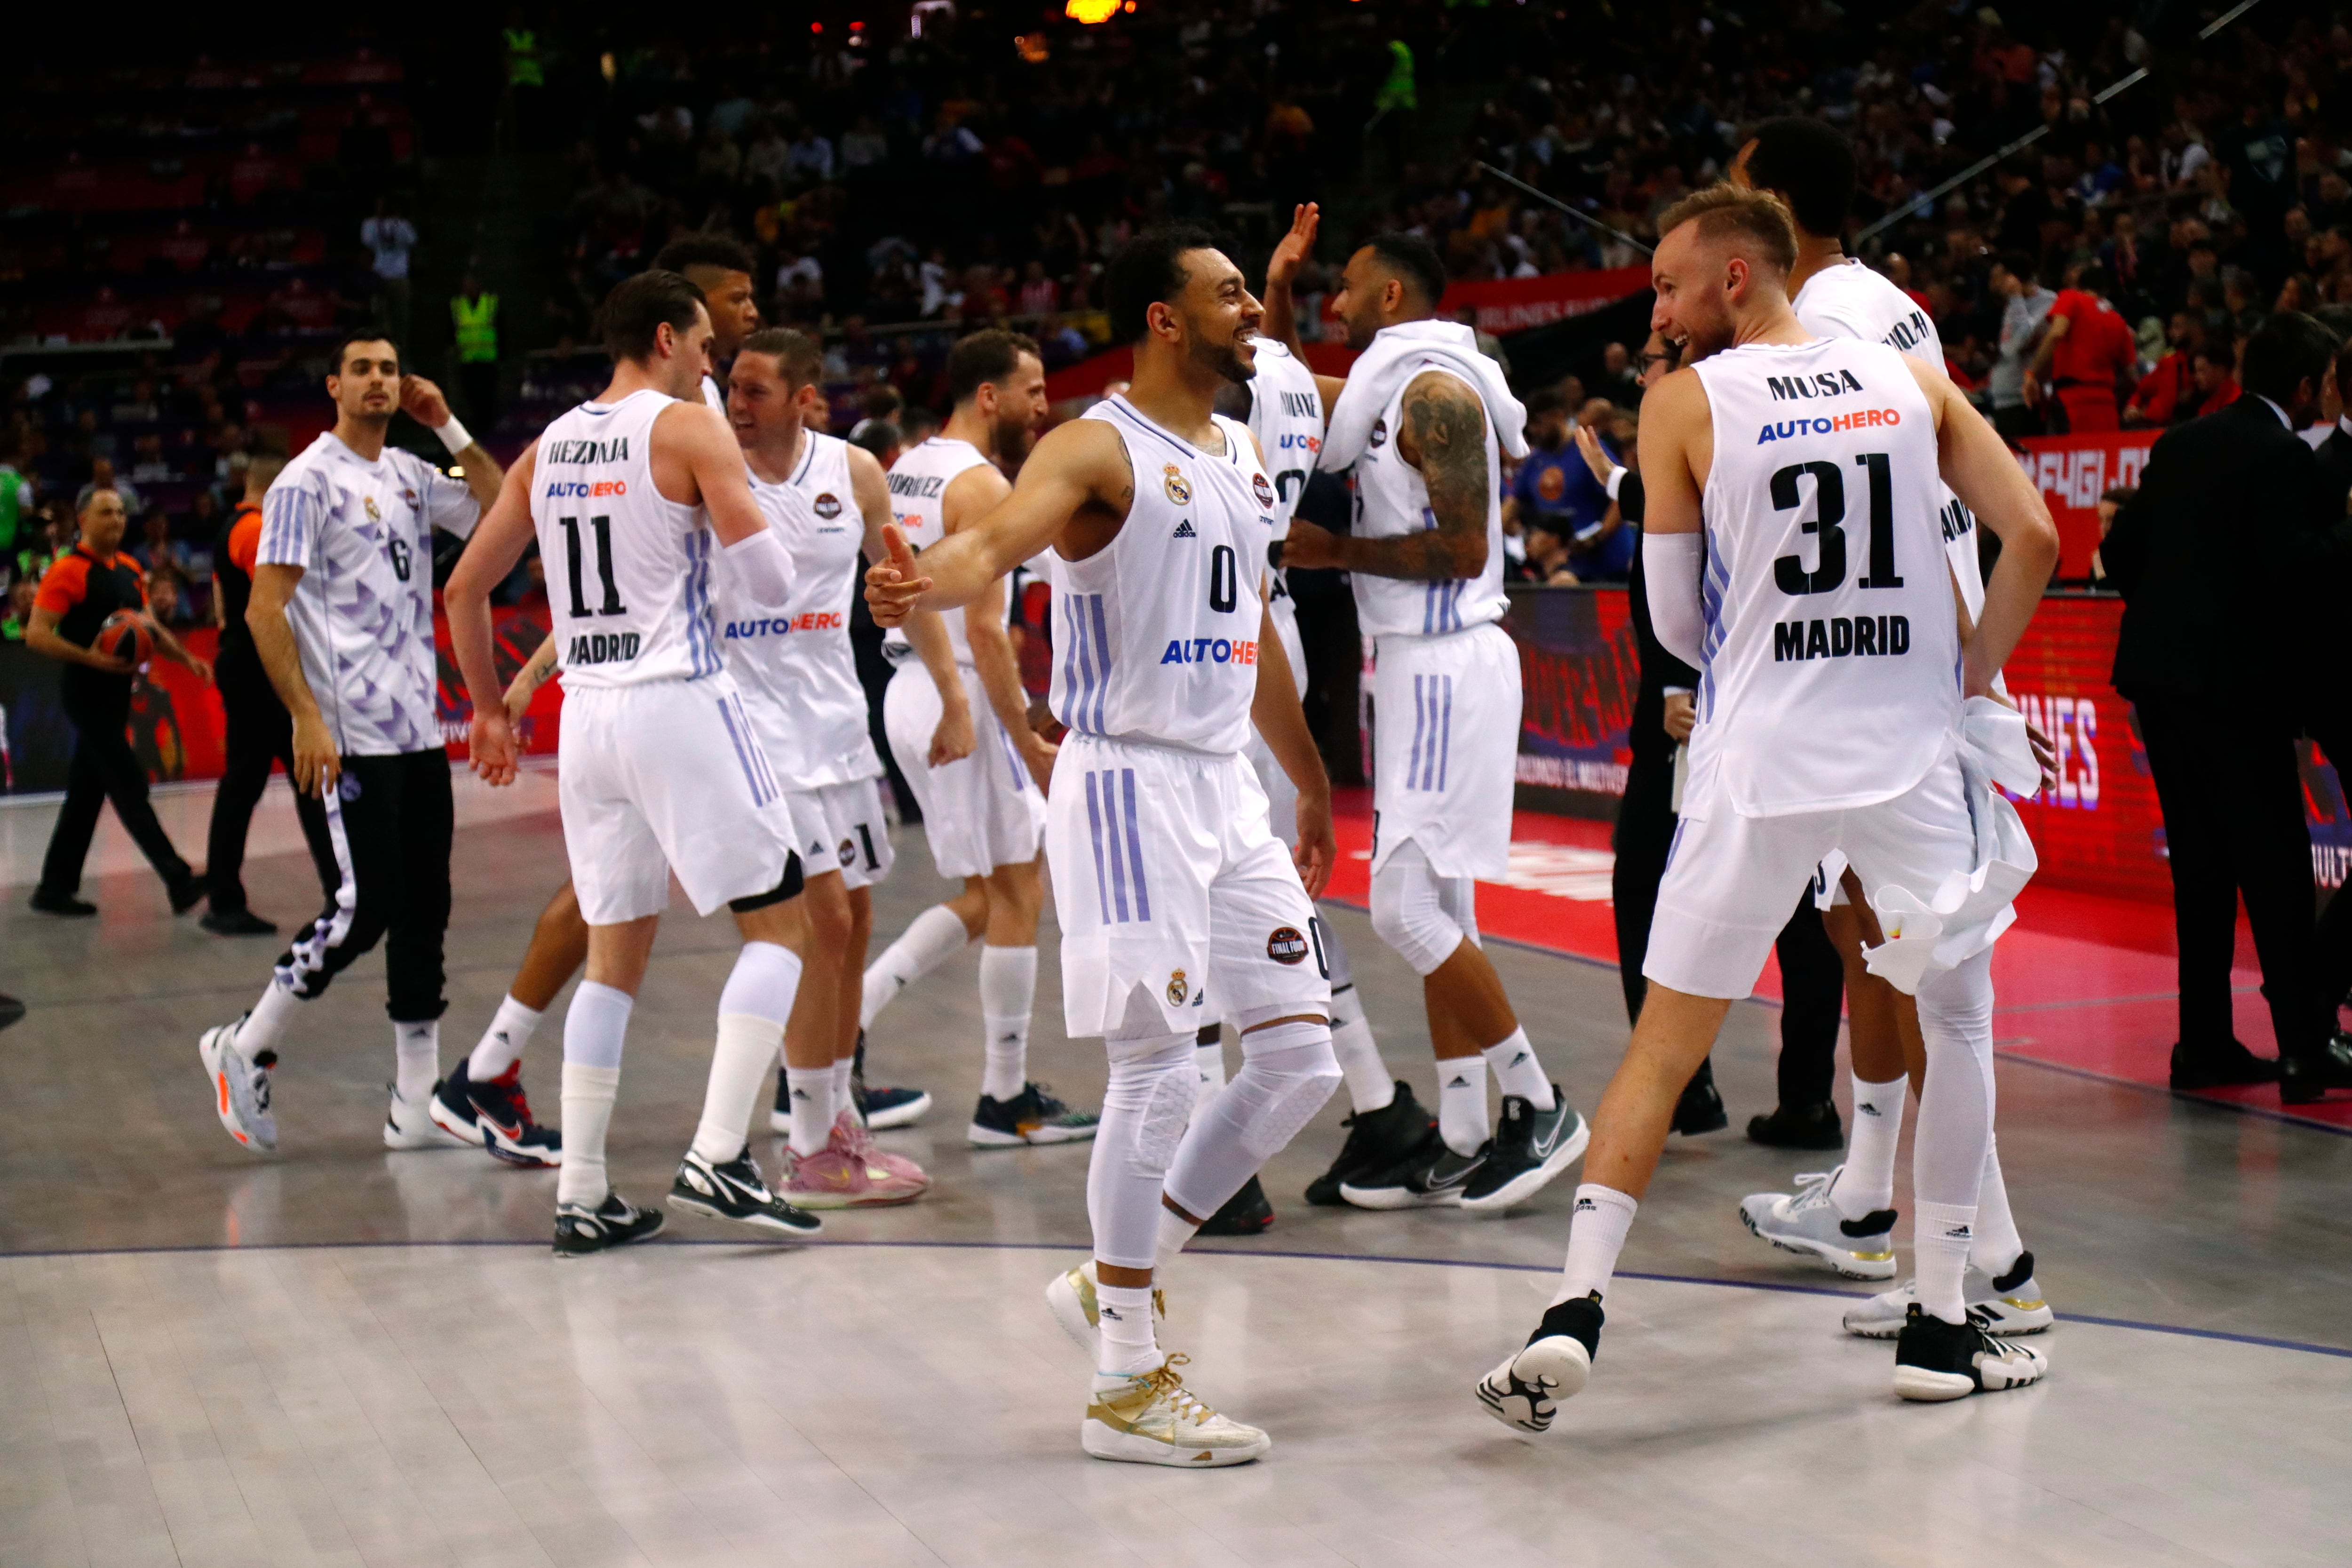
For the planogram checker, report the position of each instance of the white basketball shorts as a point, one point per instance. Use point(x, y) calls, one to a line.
point(1173, 894)
point(981, 813)
point(666, 777)
point(1281, 795)
point(1445, 748)
point(1728, 879)
point(840, 828)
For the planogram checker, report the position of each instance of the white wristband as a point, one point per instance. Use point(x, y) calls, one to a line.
point(1616, 478)
point(455, 435)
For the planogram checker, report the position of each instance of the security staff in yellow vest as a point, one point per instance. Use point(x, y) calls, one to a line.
point(474, 316)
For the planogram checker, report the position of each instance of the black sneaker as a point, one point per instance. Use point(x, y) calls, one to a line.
point(10, 1011)
point(1032, 1116)
point(1700, 1108)
point(1805, 1126)
point(1935, 1360)
point(1525, 1392)
point(735, 1191)
point(186, 895)
point(885, 1107)
point(1530, 1148)
point(579, 1230)
point(1376, 1141)
point(64, 904)
point(236, 922)
point(495, 1114)
point(1247, 1212)
point(1432, 1177)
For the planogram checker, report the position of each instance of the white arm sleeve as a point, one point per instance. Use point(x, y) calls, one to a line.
point(1670, 563)
point(763, 568)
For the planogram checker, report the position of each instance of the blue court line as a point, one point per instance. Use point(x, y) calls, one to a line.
point(2264, 1341)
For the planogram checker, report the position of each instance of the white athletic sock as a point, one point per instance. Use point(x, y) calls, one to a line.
point(416, 1050)
point(1176, 1233)
point(502, 1043)
point(935, 936)
point(811, 1091)
point(1516, 1072)
point(1127, 1343)
point(842, 1098)
point(1208, 1060)
point(1462, 1102)
point(739, 1065)
point(1008, 993)
point(588, 1096)
point(1998, 1245)
point(266, 1025)
point(1369, 1086)
point(1596, 1233)
point(1868, 1182)
point(1940, 1237)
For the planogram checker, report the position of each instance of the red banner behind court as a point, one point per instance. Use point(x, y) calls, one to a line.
point(2072, 472)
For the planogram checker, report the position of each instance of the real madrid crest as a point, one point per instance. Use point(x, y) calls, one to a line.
point(1178, 987)
point(1180, 492)
point(373, 515)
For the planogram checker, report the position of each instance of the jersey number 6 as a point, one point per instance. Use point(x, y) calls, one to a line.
point(1829, 518)
point(603, 527)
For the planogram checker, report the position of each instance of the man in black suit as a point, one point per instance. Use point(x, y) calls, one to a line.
point(2206, 557)
point(2327, 579)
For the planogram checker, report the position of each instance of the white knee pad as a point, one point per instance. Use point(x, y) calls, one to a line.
point(1155, 1079)
point(1953, 1137)
point(1416, 911)
point(1289, 1071)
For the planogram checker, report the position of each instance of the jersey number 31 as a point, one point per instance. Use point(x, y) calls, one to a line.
point(1828, 521)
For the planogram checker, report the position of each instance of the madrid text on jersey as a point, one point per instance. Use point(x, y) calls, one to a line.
point(601, 647)
point(1842, 636)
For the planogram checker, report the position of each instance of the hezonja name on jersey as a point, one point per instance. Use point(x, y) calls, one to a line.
point(1210, 650)
point(1841, 637)
point(565, 490)
point(587, 450)
point(1860, 419)
point(923, 486)
point(601, 647)
point(1825, 384)
point(807, 621)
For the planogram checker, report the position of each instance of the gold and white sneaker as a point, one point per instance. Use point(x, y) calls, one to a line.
point(1151, 1418)
point(1072, 1298)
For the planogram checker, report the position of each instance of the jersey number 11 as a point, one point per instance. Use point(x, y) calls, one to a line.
point(603, 527)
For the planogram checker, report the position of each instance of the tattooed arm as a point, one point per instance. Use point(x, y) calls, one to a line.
point(1444, 436)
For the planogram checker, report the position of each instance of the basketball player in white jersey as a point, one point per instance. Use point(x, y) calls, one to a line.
point(1847, 1217)
point(1284, 405)
point(1424, 419)
point(476, 1102)
point(1799, 563)
point(985, 813)
point(635, 500)
point(1176, 900)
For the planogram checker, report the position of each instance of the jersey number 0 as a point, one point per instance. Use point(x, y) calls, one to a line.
point(571, 563)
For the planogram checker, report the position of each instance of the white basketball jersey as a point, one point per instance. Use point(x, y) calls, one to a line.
point(1155, 637)
point(1829, 676)
point(796, 663)
point(918, 488)
point(1287, 417)
point(1850, 301)
point(628, 570)
point(1392, 500)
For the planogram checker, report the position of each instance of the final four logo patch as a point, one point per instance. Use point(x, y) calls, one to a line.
point(1178, 491)
point(827, 506)
point(1265, 491)
point(1379, 435)
point(1286, 945)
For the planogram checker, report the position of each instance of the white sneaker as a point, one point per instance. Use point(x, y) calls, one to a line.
point(1151, 1418)
point(1806, 1221)
point(241, 1088)
point(1071, 1296)
point(2011, 1305)
point(1525, 1392)
point(409, 1124)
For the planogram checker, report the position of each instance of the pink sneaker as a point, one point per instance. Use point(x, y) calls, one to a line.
point(854, 1138)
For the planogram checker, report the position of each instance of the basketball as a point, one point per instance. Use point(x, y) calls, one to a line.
point(126, 634)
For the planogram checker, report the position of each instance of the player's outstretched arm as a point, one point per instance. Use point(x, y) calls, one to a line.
point(426, 405)
point(490, 555)
point(1444, 436)
point(970, 496)
point(1675, 453)
point(695, 449)
point(1078, 473)
point(1274, 710)
point(927, 634)
point(1976, 463)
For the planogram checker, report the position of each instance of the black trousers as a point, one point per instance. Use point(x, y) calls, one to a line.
point(382, 838)
point(105, 769)
point(2233, 827)
point(259, 733)
point(1812, 980)
point(2331, 942)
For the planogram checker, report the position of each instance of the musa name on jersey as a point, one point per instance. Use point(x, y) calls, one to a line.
point(1390, 502)
point(918, 489)
point(1851, 300)
point(628, 570)
point(362, 532)
point(795, 666)
point(1829, 671)
point(1156, 634)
